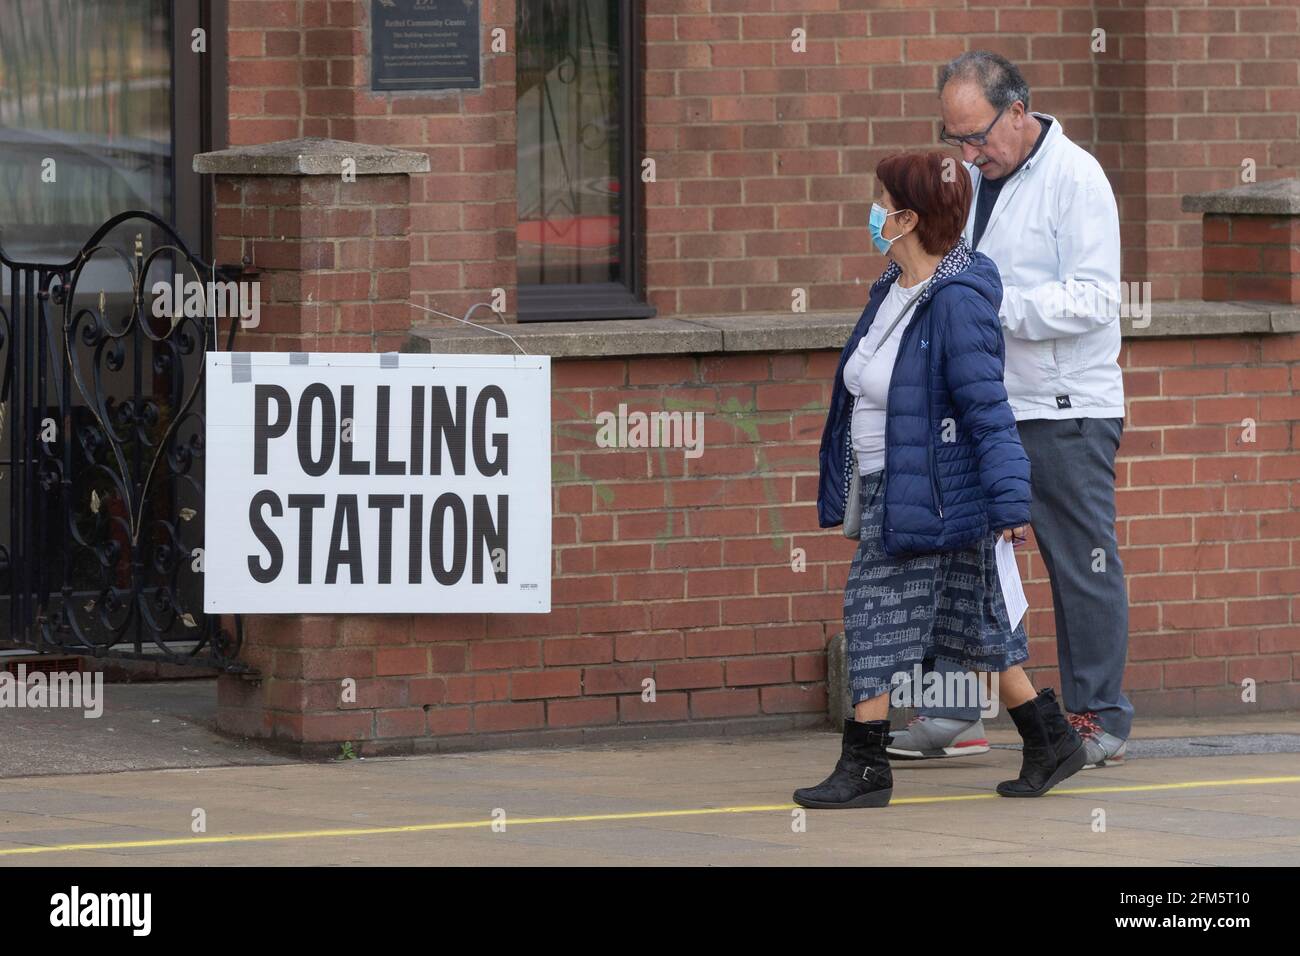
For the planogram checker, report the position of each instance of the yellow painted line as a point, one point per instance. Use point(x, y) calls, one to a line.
point(597, 818)
point(1186, 785)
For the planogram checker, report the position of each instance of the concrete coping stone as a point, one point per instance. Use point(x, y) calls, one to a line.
point(1276, 197)
point(310, 156)
point(796, 333)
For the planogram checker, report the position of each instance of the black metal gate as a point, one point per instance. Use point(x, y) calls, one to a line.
point(101, 418)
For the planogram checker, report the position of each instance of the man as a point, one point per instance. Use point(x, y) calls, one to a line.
point(1045, 214)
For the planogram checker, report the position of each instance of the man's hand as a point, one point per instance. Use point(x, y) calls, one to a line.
point(1015, 535)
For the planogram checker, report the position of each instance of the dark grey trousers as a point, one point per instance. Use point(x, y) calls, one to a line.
point(1072, 465)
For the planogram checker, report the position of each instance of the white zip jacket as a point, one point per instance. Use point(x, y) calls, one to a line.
point(1054, 234)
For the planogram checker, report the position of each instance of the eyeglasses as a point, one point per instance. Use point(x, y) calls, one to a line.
point(972, 139)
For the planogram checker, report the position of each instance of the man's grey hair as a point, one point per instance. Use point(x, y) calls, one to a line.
point(999, 79)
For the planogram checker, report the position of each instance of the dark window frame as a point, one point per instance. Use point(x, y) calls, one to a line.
point(197, 79)
point(611, 300)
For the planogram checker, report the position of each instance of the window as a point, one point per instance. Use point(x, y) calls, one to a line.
point(103, 104)
point(579, 254)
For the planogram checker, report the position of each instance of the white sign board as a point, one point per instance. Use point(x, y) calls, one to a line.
point(353, 483)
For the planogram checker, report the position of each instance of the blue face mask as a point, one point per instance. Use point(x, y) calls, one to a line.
point(877, 222)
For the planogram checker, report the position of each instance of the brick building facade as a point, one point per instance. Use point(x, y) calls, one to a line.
point(685, 571)
point(681, 570)
point(764, 155)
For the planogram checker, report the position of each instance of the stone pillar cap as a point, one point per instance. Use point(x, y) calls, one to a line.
point(1277, 197)
point(310, 156)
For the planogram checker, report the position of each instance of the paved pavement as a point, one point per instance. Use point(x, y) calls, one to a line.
point(1221, 792)
point(143, 726)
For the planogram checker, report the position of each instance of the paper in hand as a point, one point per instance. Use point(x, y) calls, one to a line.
point(1009, 574)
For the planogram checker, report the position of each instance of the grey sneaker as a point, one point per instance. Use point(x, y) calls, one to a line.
point(1102, 749)
point(938, 737)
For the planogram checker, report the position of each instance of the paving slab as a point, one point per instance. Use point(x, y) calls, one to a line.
point(144, 726)
point(683, 802)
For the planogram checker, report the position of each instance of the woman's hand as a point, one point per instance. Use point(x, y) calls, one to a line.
point(1015, 535)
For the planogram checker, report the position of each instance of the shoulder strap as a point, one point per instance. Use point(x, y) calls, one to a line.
point(906, 308)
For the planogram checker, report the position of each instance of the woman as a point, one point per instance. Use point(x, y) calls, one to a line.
point(919, 401)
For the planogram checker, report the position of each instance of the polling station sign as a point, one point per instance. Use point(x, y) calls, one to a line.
point(353, 483)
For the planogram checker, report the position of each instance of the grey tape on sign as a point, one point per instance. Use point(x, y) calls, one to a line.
point(388, 360)
point(299, 358)
point(241, 367)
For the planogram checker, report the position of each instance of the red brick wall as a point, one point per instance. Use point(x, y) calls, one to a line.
point(1209, 523)
point(1251, 257)
point(332, 259)
point(765, 156)
point(1202, 87)
point(302, 68)
point(680, 569)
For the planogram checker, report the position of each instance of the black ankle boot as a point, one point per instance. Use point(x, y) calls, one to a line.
point(1053, 750)
point(862, 777)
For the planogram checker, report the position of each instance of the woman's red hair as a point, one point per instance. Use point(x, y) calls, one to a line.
point(934, 186)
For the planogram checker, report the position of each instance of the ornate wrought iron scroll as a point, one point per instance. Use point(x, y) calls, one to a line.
point(103, 423)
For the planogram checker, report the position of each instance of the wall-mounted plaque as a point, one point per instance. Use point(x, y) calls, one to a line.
point(424, 45)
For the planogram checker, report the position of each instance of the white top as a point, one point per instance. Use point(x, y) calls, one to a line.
point(1054, 234)
point(867, 377)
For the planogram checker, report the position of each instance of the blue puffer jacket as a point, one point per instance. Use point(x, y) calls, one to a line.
point(940, 495)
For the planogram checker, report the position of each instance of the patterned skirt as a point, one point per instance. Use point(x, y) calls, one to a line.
point(900, 612)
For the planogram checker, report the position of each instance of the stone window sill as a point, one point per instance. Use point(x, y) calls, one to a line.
point(790, 333)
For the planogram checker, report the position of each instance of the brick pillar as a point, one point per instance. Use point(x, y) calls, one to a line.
point(333, 258)
point(332, 254)
point(1250, 242)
